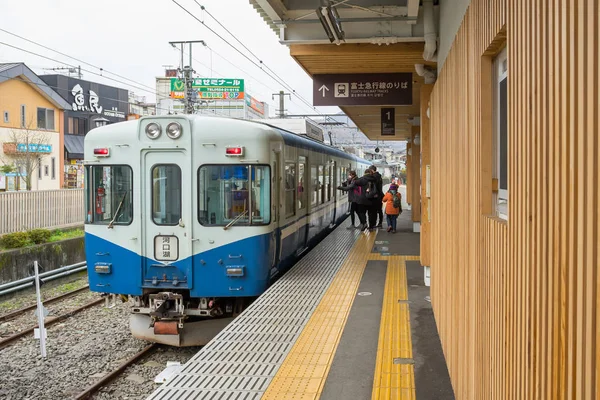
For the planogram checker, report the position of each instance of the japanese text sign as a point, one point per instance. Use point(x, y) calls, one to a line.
point(210, 88)
point(388, 121)
point(362, 89)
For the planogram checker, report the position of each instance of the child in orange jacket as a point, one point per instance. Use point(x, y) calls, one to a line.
point(392, 210)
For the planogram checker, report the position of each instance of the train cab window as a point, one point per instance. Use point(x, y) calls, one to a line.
point(290, 189)
point(166, 194)
point(234, 194)
point(315, 185)
point(109, 194)
point(301, 180)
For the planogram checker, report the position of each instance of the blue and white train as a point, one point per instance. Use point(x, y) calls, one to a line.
point(194, 216)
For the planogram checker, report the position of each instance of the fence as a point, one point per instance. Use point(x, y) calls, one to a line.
point(41, 209)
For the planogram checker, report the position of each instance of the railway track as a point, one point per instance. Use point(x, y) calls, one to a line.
point(20, 311)
point(49, 322)
point(115, 373)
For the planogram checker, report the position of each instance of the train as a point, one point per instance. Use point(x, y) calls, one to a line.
point(192, 217)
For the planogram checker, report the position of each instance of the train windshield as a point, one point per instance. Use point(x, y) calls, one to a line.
point(109, 190)
point(237, 194)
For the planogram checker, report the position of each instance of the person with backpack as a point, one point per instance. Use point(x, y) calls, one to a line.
point(365, 191)
point(378, 205)
point(393, 207)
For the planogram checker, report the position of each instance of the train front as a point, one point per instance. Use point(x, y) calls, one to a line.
point(178, 218)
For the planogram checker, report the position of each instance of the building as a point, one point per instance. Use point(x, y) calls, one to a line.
point(213, 96)
point(31, 130)
point(92, 105)
point(139, 107)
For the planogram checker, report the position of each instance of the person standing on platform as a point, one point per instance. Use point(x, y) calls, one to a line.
point(365, 190)
point(393, 207)
point(378, 204)
point(352, 197)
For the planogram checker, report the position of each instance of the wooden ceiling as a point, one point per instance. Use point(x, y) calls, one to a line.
point(367, 58)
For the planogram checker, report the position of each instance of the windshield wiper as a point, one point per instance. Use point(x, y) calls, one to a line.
point(236, 219)
point(110, 224)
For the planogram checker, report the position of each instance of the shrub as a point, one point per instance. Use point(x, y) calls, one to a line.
point(15, 240)
point(39, 236)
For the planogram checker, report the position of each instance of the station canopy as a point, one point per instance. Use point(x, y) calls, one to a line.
point(336, 42)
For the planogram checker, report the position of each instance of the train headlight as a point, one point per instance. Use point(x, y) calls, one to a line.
point(174, 130)
point(153, 130)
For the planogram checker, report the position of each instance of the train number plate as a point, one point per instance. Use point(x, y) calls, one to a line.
point(166, 248)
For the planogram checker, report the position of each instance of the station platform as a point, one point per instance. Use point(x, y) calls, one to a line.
point(351, 320)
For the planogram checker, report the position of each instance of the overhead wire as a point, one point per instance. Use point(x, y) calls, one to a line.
point(278, 80)
point(244, 46)
point(73, 58)
point(89, 71)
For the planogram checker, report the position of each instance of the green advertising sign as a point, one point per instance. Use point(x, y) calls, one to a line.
point(210, 88)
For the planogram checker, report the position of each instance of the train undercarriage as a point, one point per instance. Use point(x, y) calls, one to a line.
point(175, 319)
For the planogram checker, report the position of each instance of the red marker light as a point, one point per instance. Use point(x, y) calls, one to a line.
point(103, 152)
point(234, 151)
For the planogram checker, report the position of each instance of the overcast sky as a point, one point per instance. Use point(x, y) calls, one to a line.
point(130, 38)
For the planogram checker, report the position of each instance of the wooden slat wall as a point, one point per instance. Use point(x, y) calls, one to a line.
point(425, 254)
point(516, 302)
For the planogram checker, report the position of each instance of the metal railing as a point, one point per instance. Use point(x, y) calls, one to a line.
point(25, 283)
point(49, 209)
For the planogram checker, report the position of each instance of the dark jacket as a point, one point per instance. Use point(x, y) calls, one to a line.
point(377, 176)
point(362, 184)
point(352, 194)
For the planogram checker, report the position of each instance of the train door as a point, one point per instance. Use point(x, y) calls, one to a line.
point(167, 222)
point(277, 202)
point(303, 190)
point(333, 184)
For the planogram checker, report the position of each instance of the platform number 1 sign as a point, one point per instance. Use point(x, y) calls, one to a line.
point(388, 121)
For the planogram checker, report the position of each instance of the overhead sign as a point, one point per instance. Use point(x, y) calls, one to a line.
point(388, 121)
point(210, 89)
point(362, 89)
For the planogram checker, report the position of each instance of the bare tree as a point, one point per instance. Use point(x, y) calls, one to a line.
point(24, 150)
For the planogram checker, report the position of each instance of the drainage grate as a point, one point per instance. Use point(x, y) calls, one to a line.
point(240, 362)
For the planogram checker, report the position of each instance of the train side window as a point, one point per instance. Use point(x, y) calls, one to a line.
point(301, 180)
point(321, 186)
point(315, 185)
point(166, 194)
point(290, 189)
point(109, 194)
point(234, 193)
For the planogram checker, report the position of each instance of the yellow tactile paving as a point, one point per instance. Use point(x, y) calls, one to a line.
point(394, 381)
point(302, 375)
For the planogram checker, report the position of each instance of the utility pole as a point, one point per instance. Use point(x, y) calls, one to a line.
point(186, 74)
point(281, 95)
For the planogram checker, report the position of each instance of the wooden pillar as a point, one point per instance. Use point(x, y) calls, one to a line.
point(425, 176)
point(408, 174)
point(415, 177)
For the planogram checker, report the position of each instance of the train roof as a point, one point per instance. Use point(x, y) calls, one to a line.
point(109, 133)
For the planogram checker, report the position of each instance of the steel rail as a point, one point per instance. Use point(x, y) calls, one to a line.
point(115, 373)
point(52, 321)
point(49, 301)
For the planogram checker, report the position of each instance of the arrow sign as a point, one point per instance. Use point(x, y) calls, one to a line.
point(324, 88)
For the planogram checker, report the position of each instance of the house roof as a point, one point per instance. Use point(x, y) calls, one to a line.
point(15, 70)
